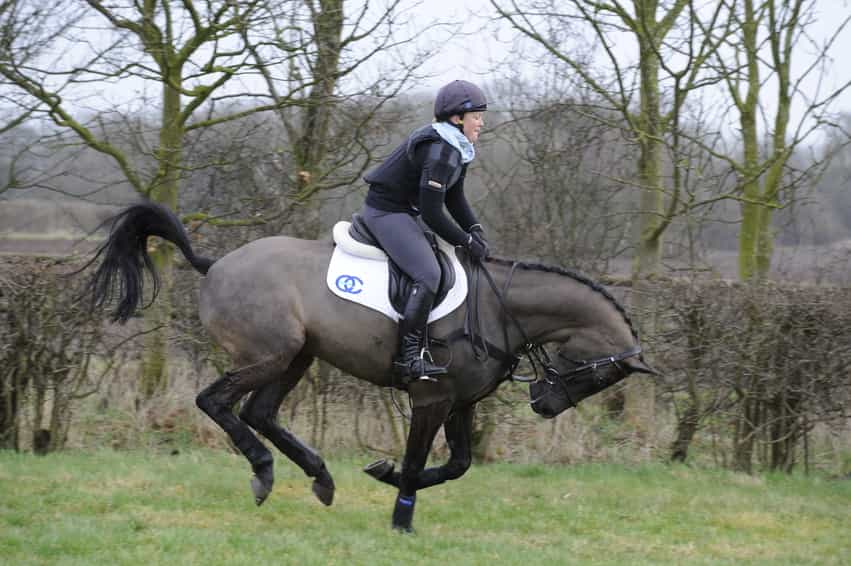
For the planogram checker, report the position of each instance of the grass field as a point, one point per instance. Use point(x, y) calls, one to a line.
point(196, 508)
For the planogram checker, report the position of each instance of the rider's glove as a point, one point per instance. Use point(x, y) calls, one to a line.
point(476, 244)
point(478, 233)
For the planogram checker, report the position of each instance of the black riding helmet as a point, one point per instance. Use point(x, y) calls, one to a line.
point(458, 97)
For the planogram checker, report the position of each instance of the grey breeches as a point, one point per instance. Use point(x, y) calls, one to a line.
point(402, 237)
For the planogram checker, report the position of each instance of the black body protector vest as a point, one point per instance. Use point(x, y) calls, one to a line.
point(418, 178)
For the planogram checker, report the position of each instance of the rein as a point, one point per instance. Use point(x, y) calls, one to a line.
point(536, 353)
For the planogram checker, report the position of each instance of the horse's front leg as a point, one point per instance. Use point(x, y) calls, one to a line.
point(459, 437)
point(427, 416)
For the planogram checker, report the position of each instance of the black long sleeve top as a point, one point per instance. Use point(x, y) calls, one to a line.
point(420, 177)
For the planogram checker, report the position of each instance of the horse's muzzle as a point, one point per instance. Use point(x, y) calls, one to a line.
point(540, 395)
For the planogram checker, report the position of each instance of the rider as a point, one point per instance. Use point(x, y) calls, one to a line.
point(417, 179)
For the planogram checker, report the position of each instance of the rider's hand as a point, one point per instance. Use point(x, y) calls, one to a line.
point(476, 247)
point(478, 233)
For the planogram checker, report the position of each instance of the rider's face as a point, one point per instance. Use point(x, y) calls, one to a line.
point(472, 124)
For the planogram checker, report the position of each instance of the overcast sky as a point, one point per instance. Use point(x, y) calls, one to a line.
point(483, 45)
point(473, 53)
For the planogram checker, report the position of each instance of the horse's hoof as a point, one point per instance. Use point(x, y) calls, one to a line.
point(404, 529)
point(380, 468)
point(261, 483)
point(260, 489)
point(323, 487)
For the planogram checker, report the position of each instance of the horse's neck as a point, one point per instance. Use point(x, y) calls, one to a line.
point(547, 304)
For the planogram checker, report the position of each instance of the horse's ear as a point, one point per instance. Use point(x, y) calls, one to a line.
point(637, 365)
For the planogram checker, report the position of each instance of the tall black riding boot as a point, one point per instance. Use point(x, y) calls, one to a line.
point(414, 360)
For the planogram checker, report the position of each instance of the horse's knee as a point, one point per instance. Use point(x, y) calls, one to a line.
point(408, 481)
point(456, 468)
point(217, 396)
point(256, 417)
point(204, 401)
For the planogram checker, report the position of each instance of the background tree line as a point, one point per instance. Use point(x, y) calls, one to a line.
point(637, 143)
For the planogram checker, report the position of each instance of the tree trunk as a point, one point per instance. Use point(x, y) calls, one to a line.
point(749, 174)
point(164, 190)
point(9, 411)
point(312, 145)
point(746, 426)
point(640, 394)
point(157, 324)
point(686, 429)
point(484, 427)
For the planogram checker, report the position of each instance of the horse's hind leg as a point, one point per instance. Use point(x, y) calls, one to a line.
point(260, 413)
point(218, 400)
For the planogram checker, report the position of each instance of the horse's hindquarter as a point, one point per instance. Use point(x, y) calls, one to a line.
point(269, 297)
point(242, 303)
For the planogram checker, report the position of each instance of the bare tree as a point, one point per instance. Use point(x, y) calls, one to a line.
point(200, 58)
point(760, 52)
point(54, 352)
point(543, 192)
point(328, 124)
point(662, 34)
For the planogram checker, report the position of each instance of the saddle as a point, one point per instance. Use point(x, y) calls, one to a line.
point(400, 284)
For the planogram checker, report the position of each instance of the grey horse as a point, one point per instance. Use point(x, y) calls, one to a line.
point(266, 304)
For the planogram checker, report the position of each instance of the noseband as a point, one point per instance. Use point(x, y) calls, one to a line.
point(583, 365)
point(536, 353)
point(556, 379)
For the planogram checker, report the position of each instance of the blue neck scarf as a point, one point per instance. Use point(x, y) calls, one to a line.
point(456, 138)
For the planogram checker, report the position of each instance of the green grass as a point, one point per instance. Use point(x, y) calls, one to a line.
point(196, 508)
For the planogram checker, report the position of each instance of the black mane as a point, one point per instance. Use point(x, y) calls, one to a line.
point(576, 276)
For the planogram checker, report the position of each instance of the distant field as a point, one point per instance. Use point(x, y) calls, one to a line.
point(50, 227)
point(195, 508)
point(58, 228)
point(53, 247)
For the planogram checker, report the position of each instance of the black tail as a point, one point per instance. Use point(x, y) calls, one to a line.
point(125, 257)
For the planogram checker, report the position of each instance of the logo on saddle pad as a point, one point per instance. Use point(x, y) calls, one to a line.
point(361, 273)
point(349, 284)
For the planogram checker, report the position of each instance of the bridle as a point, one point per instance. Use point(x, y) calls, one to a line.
point(558, 380)
point(539, 359)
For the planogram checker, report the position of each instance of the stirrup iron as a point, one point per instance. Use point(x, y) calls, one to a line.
point(424, 352)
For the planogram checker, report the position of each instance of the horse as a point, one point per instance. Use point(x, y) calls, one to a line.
point(264, 303)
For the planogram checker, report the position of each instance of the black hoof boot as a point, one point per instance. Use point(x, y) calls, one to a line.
point(380, 469)
point(261, 483)
point(323, 487)
point(403, 514)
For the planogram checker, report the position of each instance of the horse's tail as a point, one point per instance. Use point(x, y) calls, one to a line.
point(125, 257)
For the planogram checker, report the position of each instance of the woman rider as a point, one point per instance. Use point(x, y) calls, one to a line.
point(422, 175)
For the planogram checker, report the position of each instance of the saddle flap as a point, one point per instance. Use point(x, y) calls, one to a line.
point(364, 274)
point(401, 284)
point(355, 238)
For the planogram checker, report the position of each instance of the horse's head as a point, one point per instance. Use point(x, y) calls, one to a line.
point(596, 344)
point(576, 372)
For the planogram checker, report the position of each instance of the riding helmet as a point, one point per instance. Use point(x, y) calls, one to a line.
point(459, 97)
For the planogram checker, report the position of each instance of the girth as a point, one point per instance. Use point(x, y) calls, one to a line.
point(400, 282)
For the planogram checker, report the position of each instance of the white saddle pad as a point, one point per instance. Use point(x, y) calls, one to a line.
point(361, 274)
